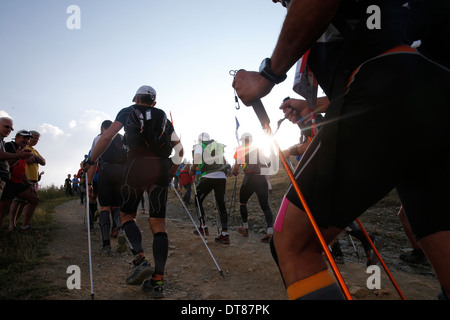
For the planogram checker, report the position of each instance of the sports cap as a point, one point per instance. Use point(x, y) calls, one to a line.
point(145, 90)
point(23, 133)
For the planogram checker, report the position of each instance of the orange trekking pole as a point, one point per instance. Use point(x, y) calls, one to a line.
point(380, 259)
point(265, 121)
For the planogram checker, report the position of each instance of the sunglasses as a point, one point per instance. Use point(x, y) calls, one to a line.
point(8, 127)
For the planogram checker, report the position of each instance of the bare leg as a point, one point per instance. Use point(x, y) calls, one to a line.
point(437, 249)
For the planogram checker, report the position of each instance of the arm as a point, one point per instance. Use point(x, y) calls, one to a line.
point(304, 24)
point(296, 109)
point(20, 154)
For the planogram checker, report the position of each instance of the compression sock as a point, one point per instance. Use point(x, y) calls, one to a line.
point(115, 213)
point(244, 212)
point(105, 226)
point(134, 236)
point(160, 251)
point(320, 286)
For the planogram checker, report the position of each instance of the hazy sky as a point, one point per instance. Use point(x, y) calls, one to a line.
point(64, 82)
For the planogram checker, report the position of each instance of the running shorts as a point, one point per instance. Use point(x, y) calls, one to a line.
point(110, 180)
point(146, 173)
point(390, 130)
point(12, 189)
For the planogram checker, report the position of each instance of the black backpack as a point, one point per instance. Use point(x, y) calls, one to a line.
point(116, 152)
point(148, 127)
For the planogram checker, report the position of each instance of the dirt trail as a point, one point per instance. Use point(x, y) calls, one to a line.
point(249, 270)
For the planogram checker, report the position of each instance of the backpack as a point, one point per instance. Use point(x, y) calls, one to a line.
point(148, 127)
point(213, 159)
point(116, 152)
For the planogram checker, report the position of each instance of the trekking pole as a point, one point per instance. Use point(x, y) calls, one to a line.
point(233, 199)
point(354, 247)
point(216, 209)
point(380, 259)
point(258, 107)
point(199, 212)
point(190, 216)
point(89, 236)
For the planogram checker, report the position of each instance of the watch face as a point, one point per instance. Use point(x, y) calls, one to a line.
point(263, 64)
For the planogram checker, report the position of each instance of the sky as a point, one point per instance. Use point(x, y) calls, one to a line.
point(63, 72)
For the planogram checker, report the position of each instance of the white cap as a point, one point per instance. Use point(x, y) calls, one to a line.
point(246, 137)
point(203, 137)
point(145, 90)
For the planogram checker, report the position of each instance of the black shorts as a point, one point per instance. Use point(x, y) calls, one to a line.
point(389, 131)
point(110, 181)
point(146, 174)
point(12, 189)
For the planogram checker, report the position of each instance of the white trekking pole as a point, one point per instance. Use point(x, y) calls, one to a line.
point(89, 235)
point(203, 239)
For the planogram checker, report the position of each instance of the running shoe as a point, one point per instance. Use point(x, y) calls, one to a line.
point(121, 243)
point(203, 231)
point(266, 238)
point(142, 211)
point(106, 251)
point(25, 229)
point(154, 287)
point(243, 231)
point(223, 238)
point(140, 272)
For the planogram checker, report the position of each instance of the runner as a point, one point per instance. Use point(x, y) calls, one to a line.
point(150, 139)
point(111, 173)
point(209, 159)
point(249, 158)
point(368, 143)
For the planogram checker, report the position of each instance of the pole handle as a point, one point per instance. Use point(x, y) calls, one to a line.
point(261, 113)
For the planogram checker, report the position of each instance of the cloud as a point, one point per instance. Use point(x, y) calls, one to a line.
point(91, 120)
point(50, 130)
point(72, 124)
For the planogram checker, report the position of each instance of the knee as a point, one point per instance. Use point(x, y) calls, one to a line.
point(124, 218)
point(158, 225)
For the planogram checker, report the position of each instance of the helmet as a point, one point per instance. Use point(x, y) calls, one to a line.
point(203, 137)
point(246, 138)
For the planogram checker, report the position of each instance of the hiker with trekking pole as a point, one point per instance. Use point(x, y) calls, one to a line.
point(360, 54)
point(251, 159)
point(210, 160)
point(150, 139)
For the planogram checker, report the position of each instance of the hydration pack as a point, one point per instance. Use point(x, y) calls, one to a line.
point(116, 152)
point(148, 128)
point(213, 159)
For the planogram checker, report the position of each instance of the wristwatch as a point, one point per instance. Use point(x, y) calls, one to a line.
point(266, 71)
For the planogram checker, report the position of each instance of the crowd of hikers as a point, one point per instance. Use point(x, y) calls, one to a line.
point(370, 59)
point(19, 175)
point(385, 75)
